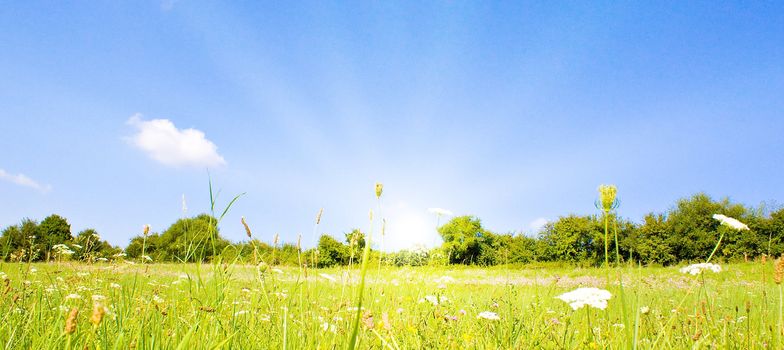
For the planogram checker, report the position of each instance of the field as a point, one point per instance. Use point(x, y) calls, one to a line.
point(179, 306)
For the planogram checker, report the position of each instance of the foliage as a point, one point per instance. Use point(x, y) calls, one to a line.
point(54, 229)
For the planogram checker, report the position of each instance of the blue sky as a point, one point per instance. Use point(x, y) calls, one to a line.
point(514, 112)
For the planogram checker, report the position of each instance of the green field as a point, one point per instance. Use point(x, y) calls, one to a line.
point(237, 306)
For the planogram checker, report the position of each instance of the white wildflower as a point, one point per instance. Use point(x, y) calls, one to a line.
point(488, 315)
point(593, 297)
point(241, 312)
point(731, 222)
point(435, 300)
point(115, 286)
point(73, 296)
point(645, 310)
point(696, 269)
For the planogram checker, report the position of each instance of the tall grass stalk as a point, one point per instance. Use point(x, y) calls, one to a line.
point(352, 343)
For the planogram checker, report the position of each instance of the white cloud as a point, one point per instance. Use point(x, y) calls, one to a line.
point(537, 224)
point(163, 142)
point(22, 180)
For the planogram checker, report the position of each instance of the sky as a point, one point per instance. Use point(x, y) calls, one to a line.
point(112, 112)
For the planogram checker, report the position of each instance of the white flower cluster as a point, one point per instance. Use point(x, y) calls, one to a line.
point(696, 269)
point(731, 222)
point(488, 315)
point(593, 297)
point(62, 249)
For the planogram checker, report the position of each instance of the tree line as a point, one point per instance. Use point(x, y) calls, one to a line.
point(686, 232)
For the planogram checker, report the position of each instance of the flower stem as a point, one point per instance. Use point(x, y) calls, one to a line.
point(715, 248)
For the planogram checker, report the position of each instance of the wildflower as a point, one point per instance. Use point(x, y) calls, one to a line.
point(3, 276)
point(440, 211)
point(488, 315)
point(328, 277)
point(607, 194)
point(593, 297)
point(70, 322)
point(645, 310)
point(241, 312)
point(696, 269)
point(73, 296)
point(731, 222)
point(435, 300)
point(157, 299)
point(33, 270)
point(379, 189)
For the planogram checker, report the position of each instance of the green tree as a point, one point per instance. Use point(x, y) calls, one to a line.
point(573, 238)
point(695, 232)
point(465, 240)
point(92, 247)
point(331, 252)
point(54, 229)
point(191, 239)
point(649, 242)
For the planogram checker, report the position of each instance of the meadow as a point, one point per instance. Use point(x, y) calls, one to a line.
point(234, 306)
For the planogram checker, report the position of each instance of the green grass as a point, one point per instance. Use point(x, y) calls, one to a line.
point(174, 306)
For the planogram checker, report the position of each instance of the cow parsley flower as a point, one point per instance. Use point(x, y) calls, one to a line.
point(593, 297)
point(696, 269)
point(731, 222)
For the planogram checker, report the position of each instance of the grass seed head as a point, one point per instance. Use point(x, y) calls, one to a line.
point(778, 273)
point(98, 312)
point(318, 216)
point(379, 189)
point(247, 228)
point(70, 322)
point(146, 230)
